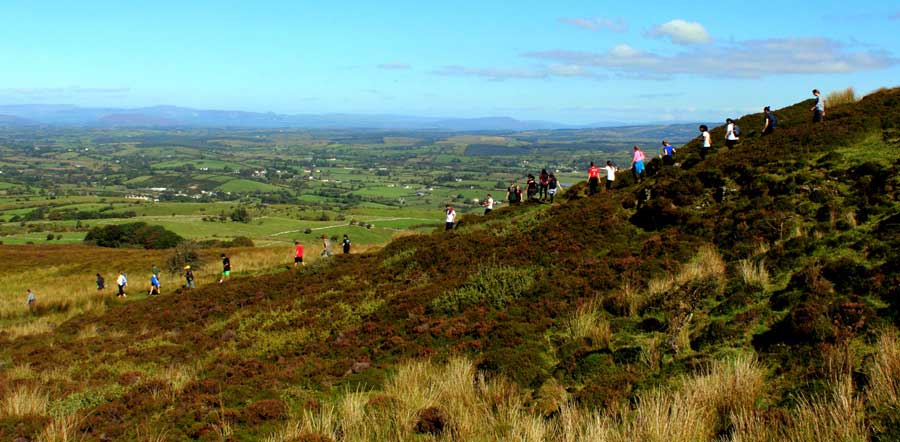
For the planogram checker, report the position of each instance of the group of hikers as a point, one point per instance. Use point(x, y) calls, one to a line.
point(326, 249)
point(546, 184)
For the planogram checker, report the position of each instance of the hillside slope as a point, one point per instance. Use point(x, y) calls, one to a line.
point(784, 252)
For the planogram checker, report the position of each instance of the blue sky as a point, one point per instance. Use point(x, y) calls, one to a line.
point(570, 61)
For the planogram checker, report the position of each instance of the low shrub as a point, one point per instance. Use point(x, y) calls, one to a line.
point(490, 286)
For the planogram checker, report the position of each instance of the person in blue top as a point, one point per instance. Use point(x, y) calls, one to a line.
point(668, 158)
point(818, 109)
point(154, 284)
point(771, 122)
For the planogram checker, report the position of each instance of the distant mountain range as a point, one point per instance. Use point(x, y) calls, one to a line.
point(174, 116)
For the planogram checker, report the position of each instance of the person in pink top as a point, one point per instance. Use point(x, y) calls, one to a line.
point(637, 164)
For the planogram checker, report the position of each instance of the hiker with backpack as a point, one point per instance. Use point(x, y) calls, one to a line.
point(637, 164)
point(732, 133)
point(450, 217)
point(593, 178)
point(668, 158)
point(553, 186)
point(771, 122)
point(818, 109)
point(544, 181)
point(610, 175)
point(707, 141)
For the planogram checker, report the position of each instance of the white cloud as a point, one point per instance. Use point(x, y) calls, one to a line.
point(597, 24)
point(682, 32)
point(746, 59)
point(394, 65)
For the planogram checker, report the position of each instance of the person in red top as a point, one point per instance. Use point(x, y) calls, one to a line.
point(298, 258)
point(593, 178)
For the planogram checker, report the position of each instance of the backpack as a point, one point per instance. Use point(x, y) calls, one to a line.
point(736, 130)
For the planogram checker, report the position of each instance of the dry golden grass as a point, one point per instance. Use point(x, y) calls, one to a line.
point(588, 322)
point(62, 429)
point(884, 373)
point(23, 401)
point(754, 273)
point(480, 410)
point(837, 98)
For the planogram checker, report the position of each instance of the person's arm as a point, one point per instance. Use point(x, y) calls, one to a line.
point(766, 126)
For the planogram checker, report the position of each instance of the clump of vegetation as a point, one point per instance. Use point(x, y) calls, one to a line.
point(494, 286)
point(241, 215)
point(133, 235)
point(841, 97)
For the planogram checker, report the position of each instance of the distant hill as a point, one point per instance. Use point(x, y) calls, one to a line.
point(11, 120)
point(174, 116)
point(753, 295)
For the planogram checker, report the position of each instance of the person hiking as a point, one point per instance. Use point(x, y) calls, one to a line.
point(610, 175)
point(188, 277)
point(543, 182)
point(518, 194)
point(511, 194)
point(488, 204)
point(637, 164)
point(770, 123)
point(593, 178)
point(326, 247)
point(101, 283)
point(818, 108)
point(30, 299)
point(154, 285)
point(345, 244)
point(155, 270)
point(707, 141)
point(121, 282)
point(668, 158)
point(731, 134)
point(450, 217)
point(552, 186)
point(531, 187)
point(298, 254)
point(226, 268)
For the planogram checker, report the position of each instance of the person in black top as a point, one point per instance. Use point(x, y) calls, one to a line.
point(346, 244)
point(101, 284)
point(771, 122)
point(531, 187)
point(226, 268)
point(543, 184)
point(552, 186)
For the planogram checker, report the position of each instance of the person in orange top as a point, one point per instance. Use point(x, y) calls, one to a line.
point(593, 178)
point(298, 257)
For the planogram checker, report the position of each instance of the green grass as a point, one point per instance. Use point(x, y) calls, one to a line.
point(242, 186)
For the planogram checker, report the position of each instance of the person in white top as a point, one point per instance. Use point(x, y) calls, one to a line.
point(731, 137)
point(488, 204)
point(707, 141)
point(121, 282)
point(451, 217)
point(610, 175)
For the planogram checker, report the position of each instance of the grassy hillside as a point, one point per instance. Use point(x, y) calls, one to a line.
point(752, 296)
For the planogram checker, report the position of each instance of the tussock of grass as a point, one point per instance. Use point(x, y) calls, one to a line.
point(841, 97)
point(753, 273)
point(62, 429)
point(24, 401)
point(587, 322)
point(884, 373)
point(494, 286)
